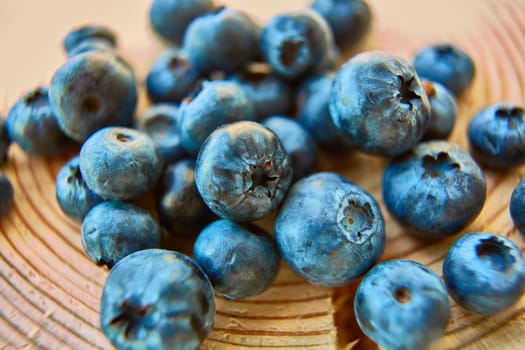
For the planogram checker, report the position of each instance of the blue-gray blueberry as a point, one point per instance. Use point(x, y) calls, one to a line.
point(243, 171)
point(517, 206)
point(329, 230)
point(443, 111)
point(5, 142)
point(484, 272)
point(157, 299)
point(94, 34)
point(6, 194)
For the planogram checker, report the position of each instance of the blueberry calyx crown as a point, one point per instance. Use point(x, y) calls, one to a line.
point(37, 95)
point(355, 218)
point(131, 315)
point(289, 52)
point(260, 177)
point(406, 93)
point(436, 166)
point(496, 252)
point(513, 115)
point(402, 295)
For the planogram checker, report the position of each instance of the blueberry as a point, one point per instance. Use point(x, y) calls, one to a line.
point(6, 194)
point(402, 304)
point(217, 103)
point(180, 207)
point(270, 94)
point(378, 103)
point(517, 206)
point(329, 230)
point(32, 124)
point(349, 20)
point(160, 122)
point(447, 64)
point(295, 42)
point(243, 171)
point(93, 90)
point(240, 260)
point(172, 77)
point(496, 136)
point(90, 33)
point(298, 143)
point(93, 45)
point(484, 272)
point(170, 18)
point(5, 142)
point(443, 111)
point(120, 163)
point(224, 40)
point(73, 196)
point(157, 299)
point(314, 114)
point(435, 190)
point(113, 230)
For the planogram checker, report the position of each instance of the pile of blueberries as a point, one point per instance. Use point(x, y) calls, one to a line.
point(238, 114)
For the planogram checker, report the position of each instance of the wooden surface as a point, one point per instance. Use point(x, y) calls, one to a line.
point(49, 290)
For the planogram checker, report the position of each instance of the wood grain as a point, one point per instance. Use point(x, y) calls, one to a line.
point(49, 289)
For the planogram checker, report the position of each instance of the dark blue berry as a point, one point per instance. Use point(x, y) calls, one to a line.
point(298, 143)
point(496, 136)
point(93, 34)
point(217, 103)
point(240, 260)
point(157, 299)
point(120, 163)
point(517, 206)
point(224, 40)
point(73, 196)
point(5, 142)
point(349, 20)
point(91, 91)
point(6, 194)
point(294, 43)
point(402, 305)
point(113, 230)
point(32, 124)
point(378, 103)
point(446, 64)
point(243, 171)
point(160, 122)
point(314, 114)
point(443, 111)
point(329, 230)
point(170, 18)
point(172, 77)
point(435, 190)
point(180, 207)
point(484, 272)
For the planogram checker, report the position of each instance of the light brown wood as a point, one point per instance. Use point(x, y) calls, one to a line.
point(49, 290)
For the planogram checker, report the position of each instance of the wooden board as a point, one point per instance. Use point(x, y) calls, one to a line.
point(49, 290)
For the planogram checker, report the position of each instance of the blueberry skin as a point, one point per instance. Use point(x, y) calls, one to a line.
point(270, 94)
point(160, 122)
point(181, 209)
point(217, 103)
point(73, 196)
point(484, 272)
point(434, 190)
point(157, 299)
point(446, 64)
point(112, 230)
point(517, 206)
point(314, 114)
point(329, 230)
point(349, 20)
point(496, 136)
point(91, 91)
point(402, 304)
point(120, 163)
point(298, 143)
point(6, 194)
point(242, 171)
point(241, 261)
point(88, 33)
point(32, 124)
point(5, 142)
point(170, 18)
point(92, 45)
point(378, 103)
point(224, 40)
point(443, 111)
point(295, 42)
point(172, 77)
